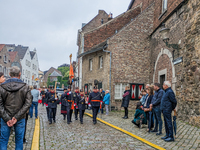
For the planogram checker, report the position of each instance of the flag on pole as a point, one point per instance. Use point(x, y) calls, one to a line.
point(71, 72)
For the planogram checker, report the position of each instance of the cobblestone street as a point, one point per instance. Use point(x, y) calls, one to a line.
point(60, 135)
point(187, 136)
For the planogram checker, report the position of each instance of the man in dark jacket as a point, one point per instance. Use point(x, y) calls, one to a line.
point(168, 104)
point(81, 105)
point(95, 100)
point(64, 104)
point(75, 97)
point(52, 104)
point(155, 103)
point(15, 101)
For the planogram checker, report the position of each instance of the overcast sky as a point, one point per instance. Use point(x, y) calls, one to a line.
point(50, 26)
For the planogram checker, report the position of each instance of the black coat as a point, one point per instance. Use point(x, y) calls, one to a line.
point(52, 102)
point(125, 100)
point(149, 101)
point(64, 101)
point(95, 99)
point(81, 102)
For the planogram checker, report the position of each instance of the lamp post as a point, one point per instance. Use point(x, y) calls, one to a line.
point(165, 36)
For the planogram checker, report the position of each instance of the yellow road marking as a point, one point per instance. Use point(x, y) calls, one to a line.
point(36, 135)
point(129, 133)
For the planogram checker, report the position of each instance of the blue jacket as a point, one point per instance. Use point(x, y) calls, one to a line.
point(106, 99)
point(157, 98)
point(168, 100)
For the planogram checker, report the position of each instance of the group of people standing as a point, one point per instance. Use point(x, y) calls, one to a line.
point(74, 102)
point(152, 105)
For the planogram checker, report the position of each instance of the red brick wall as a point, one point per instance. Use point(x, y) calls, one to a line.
point(96, 21)
point(105, 31)
point(143, 3)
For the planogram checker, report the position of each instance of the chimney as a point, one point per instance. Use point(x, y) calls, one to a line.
point(110, 16)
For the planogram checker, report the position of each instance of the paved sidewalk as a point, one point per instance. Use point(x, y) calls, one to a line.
point(187, 136)
point(29, 136)
point(78, 136)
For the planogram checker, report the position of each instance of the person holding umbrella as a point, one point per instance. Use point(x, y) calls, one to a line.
point(168, 104)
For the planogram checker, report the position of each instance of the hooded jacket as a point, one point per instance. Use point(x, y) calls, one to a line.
point(15, 99)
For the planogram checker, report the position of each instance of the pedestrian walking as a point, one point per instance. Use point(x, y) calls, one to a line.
point(15, 101)
point(106, 101)
point(46, 102)
point(52, 104)
point(156, 108)
point(70, 106)
point(95, 100)
point(75, 98)
point(125, 101)
point(43, 92)
point(168, 104)
point(64, 104)
point(35, 93)
point(81, 105)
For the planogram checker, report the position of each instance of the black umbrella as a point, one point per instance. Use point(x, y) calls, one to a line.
point(174, 122)
point(150, 119)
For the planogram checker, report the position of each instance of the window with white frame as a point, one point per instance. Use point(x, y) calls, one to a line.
point(90, 86)
point(164, 5)
point(119, 90)
point(90, 64)
point(100, 62)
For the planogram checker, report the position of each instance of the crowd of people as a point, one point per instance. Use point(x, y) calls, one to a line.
point(17, 101)
point(155, 101)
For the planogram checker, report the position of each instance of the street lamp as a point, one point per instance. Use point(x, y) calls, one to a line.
point(165, 36)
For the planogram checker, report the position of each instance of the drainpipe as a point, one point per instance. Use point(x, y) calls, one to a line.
point(110, 70)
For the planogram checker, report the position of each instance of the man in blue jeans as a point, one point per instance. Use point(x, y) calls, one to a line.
point(156, 101)
point(15, 100)
point(35, 93)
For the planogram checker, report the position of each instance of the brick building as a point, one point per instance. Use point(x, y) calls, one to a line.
point(139, 54)
point(5, 62)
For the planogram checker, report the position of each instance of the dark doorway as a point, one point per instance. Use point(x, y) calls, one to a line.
point(162, 79)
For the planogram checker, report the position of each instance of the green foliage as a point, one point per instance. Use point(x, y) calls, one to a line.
point(62, 80)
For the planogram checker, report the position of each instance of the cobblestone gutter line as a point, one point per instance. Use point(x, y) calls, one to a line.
point(129, 133)
point(36, 135)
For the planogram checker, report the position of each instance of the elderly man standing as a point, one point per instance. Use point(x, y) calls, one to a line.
point(168, 104)
point(156, 107)
point(15, 100)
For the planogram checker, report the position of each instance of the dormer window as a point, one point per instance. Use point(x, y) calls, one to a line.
point(164, 5)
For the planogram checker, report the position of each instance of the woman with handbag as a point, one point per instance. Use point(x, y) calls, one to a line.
point(125, 101)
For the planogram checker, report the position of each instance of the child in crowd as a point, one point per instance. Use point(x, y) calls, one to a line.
point(140, 116)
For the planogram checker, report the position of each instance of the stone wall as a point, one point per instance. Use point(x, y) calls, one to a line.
point(184, 30)
point(131, 53)
point(101, 74)
point(142, 3)
point(108, 29)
